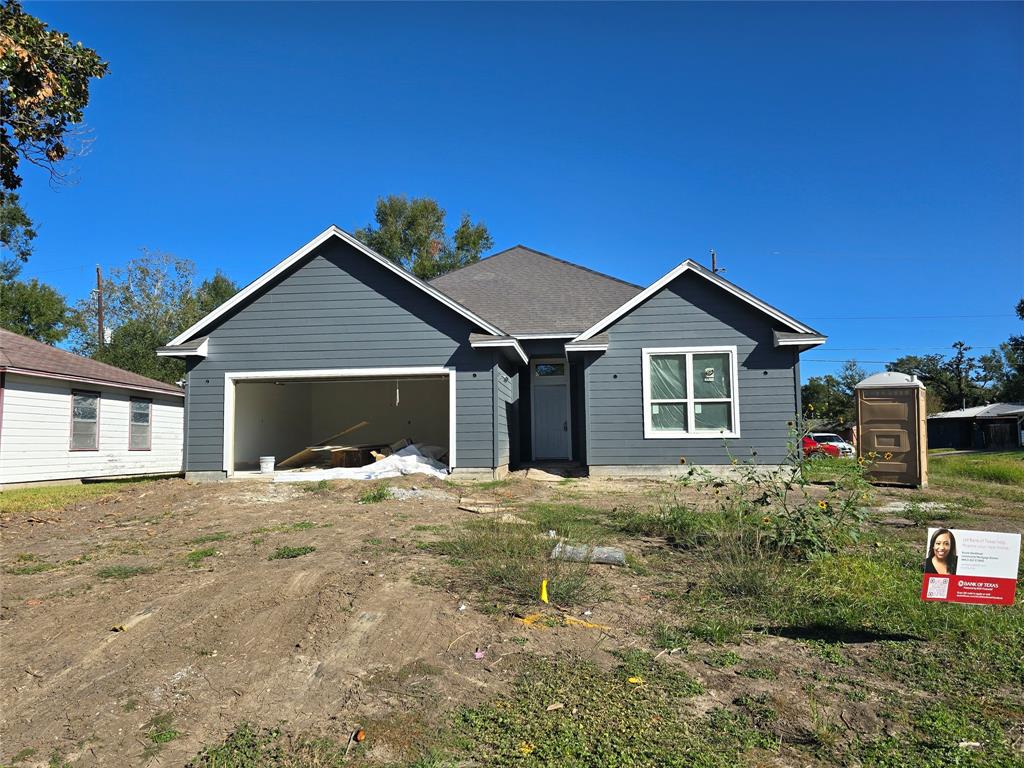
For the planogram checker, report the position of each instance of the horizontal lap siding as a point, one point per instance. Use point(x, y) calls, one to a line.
point(690, 313)
point(35, 435)
point(505, 397)
point(340, 309)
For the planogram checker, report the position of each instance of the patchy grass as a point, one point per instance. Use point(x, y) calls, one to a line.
point(633, 715)
point(511, 561)
point(160, 728)
point(124, 571)
point(1002, 467)
point(209, 538)
point(28, 564)
point(320, 487)
point(196, 556)
point(288, 553)
point(571, 521)
point(250, 746)
point(54, 497)
point(376, 494)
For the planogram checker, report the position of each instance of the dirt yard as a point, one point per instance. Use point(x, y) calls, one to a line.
point(139, 628)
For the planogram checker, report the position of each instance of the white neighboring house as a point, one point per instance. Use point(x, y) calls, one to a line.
point(66, 417)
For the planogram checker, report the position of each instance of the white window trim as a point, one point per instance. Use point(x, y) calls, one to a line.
point(650, 433)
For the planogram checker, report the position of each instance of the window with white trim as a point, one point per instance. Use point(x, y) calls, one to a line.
point(690, 392)
point(85, 421)
point(140, 427)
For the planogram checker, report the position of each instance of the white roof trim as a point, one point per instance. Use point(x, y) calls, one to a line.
point(317, 241)
point(506, 342)
point(201, 351)
point(810, 340)
point(532, 336)
point(586, 347)
point(692, 266)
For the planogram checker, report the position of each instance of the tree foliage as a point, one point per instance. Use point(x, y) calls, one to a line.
point(832, 399)
point(45, 89)
point(412, 234)
point(34, 310)
point(147, 303)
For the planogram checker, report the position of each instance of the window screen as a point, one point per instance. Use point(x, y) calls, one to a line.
point(140, 428)
point(85, 417)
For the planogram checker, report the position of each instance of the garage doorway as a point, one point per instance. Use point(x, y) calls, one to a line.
point(280, 413)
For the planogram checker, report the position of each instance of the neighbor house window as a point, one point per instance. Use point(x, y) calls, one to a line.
point(140, 426)
point(690, 392)
point(85, 421)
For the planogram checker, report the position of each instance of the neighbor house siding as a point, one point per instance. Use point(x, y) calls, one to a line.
point(690, 312)
point(340, 309)
point(36, 433)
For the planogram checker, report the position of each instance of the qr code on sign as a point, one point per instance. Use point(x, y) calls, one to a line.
point(938, 588)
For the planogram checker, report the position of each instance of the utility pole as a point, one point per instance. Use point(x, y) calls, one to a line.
point(99, 305)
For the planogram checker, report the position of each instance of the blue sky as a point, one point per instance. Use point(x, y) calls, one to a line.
point(859, 166)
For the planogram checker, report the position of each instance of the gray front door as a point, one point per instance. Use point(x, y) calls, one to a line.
point(549, 381)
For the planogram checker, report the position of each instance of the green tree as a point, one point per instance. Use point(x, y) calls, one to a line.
point(147, 303)
point(16, 235)
point(44, 89)
point(34, 310)
point(832, 399)
point(412, 234)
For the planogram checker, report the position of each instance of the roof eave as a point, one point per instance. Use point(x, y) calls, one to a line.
point(90, 380)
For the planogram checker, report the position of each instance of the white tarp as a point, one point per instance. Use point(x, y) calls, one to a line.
point(407, 461)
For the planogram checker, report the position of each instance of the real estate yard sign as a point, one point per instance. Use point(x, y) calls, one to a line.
point(977, 567)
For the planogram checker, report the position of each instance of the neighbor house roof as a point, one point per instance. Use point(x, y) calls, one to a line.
point(992, 411)
point(19, 354)
point(528, 292)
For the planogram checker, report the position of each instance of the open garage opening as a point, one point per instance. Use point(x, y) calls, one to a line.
point(325, 421)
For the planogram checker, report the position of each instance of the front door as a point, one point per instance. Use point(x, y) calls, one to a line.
point(549, 397)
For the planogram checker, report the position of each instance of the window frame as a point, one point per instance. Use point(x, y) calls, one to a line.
point(650, 433)
point(71, 431)
point(149, 401)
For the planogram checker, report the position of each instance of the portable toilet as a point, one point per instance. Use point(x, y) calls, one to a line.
point(892, 428)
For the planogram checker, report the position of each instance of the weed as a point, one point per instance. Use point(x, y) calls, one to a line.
point(160, 728)
point(570, 521)
point(376, 494)
point(665, 636)
point(718, 630)
point(680, 525)
point(23, 755)
point(124, 571)
point(31, 568)
point(209, 538)
point(513, 560)
point(759, 673)
point(196, 556)
point(130, 705)
point(320, 487)
point(723, 659)
point(287, 553)
point(249, 746)
point(826, 651)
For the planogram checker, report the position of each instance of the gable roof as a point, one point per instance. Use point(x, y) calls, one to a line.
point(20, 354)
point(691, 266)
point(282, 266)
point(529, 292)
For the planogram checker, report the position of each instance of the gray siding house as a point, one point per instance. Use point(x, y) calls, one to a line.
point(520, 358)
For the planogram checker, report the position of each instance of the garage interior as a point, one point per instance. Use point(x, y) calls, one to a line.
point(282, 418)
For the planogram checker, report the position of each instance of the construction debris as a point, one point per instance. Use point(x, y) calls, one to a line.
point(307, 455)
point(407, 461)
point(481, 506)
point(584, 554)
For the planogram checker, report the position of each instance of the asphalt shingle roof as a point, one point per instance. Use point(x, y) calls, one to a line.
point(30, 356)
point(521, 291)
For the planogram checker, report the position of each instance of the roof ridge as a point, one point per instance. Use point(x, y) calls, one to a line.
point(545, 255)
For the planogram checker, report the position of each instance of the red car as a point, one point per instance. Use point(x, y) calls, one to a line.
point(814, 449)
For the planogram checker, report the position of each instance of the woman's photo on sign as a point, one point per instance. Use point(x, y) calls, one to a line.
point(941, 557)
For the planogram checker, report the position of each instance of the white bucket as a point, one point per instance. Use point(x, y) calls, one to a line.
point(266, 464)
